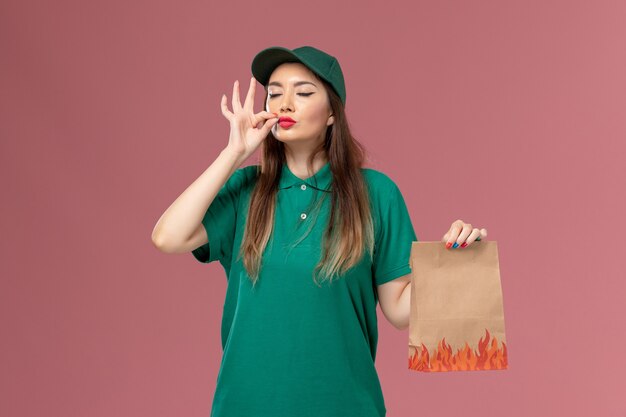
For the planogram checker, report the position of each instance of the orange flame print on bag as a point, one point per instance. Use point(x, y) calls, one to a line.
point(442, 360)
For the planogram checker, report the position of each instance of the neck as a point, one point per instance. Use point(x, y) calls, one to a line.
point(298, 164)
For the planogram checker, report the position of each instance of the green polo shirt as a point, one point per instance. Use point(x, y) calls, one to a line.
point(292, 348)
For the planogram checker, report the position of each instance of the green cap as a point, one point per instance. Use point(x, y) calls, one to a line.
point(324, 65)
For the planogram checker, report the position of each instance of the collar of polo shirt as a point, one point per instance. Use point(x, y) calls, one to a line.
point(320, 180)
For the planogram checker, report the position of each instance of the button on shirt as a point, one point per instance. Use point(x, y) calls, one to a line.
point(291, 347)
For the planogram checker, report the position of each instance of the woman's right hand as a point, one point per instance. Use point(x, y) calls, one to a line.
point(247, 129)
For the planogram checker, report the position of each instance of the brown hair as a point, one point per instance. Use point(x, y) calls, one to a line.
point(349, 232)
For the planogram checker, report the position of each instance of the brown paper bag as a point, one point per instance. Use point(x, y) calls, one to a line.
point(457, 316)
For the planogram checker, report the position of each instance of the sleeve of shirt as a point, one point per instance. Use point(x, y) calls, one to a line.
point(392, 250)
point(220, 221)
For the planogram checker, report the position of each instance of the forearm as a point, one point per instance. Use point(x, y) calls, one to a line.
point(404, 308)
point(183, 216)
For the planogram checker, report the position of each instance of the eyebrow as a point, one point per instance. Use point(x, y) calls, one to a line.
point(296, 83)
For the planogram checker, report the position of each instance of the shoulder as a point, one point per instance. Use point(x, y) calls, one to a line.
point(379, 183)
point(243, 177)
point(247, 171)
point(384, 194)
point(250, 172)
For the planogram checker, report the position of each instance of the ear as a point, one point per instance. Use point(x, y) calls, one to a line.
point(331, 120)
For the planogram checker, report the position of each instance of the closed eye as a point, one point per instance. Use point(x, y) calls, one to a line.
point(300, 94)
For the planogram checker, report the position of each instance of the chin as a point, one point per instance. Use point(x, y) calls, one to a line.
point(287, 138)
point(290, 140)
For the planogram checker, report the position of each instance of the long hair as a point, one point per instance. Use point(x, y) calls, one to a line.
point(349, 234)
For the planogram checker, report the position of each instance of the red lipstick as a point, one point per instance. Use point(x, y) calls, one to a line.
point(286, 122)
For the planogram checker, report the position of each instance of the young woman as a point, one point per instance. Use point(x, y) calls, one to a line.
point(310, 241)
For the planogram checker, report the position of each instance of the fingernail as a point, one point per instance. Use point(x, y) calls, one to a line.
point(456, 245)
point(448, 245)
point(464, 244)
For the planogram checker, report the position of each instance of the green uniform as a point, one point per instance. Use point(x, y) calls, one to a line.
point(290, 347)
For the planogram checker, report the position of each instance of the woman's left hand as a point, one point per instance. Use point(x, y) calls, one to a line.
point(462, 234)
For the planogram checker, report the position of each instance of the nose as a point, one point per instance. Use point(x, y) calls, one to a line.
point(286, 103)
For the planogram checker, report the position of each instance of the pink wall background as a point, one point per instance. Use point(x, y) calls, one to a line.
point(508, 115)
